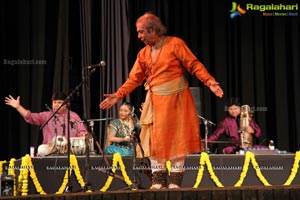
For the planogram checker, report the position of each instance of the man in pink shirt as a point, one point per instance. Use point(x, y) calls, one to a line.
point(57, 126)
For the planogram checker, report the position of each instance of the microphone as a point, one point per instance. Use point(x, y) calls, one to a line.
point(51, 111)
point(73, 127)
point(54, 119)
point(46, 105)
point(206, 121)
point(101, 64)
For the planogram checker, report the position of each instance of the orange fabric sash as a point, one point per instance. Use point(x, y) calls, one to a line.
point(171, 87)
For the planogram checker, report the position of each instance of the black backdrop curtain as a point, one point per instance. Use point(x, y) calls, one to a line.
point(253, 57)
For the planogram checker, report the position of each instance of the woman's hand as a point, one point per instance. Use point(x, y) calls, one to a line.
point(126, 139)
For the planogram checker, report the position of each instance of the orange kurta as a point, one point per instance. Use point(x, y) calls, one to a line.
point(175, 129)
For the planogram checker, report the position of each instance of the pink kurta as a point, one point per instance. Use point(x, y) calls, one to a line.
point(175, 131)
point(77, 128)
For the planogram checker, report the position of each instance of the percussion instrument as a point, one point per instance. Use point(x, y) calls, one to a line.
point(78, 145)
point(43, 150)
point(59, 144)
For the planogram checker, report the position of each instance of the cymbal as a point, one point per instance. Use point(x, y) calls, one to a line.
point(101, 119)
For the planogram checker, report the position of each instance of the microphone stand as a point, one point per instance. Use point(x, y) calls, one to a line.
point(56, 119)
point(87, 186)
point(206, 123)
point(69, 186)
point(134, 139)
point(56, 152)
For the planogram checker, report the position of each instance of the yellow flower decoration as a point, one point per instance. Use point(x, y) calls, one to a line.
point(73, 166)
point(244, 170)
point(25, 168)
point(200, 172)
point(169, 166)
point(250, 157)
point(294, 170)
point(1, 166)
point(64, 183)
point(204, 159)
point(11, 171)
point(117, 159)
point(258, 171)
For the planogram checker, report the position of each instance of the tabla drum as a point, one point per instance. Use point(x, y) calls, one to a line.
point(78, 145)
point(58, 145)
point(43, 150)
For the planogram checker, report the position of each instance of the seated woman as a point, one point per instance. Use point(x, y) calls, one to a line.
point(119, 132)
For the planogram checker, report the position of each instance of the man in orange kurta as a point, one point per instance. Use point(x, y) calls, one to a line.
point(169, 117)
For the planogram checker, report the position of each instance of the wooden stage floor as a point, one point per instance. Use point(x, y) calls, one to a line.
point(226, 193)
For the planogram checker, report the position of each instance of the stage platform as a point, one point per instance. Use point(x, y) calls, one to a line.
point(221, 173)
point(227, 193)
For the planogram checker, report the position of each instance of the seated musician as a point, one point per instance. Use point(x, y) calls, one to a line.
point(119, 132)
point(229, 127)
point(57, 126)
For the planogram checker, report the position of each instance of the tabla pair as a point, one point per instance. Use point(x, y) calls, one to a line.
point(59, 145)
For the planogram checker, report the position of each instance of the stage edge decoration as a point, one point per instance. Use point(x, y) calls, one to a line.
point(11, 171)
point(204, 159)
point(117, 159)
point(27, 167)
point(1, 166)
point(251, 158)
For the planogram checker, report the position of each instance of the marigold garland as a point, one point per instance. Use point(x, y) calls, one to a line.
point(11, 171)
point(250, 157)
point(1, 166)
point(73, 166)
point(244, 169)
point(201, 170)
point(204, 159)
point(294, 170)
point(211, 171)
point(258, 171)
point(117, 159)
point(23, 178)
point(27, 167)
point(169, 166)
point(64, 183)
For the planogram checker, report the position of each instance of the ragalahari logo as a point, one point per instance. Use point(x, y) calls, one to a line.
point(236, 10)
